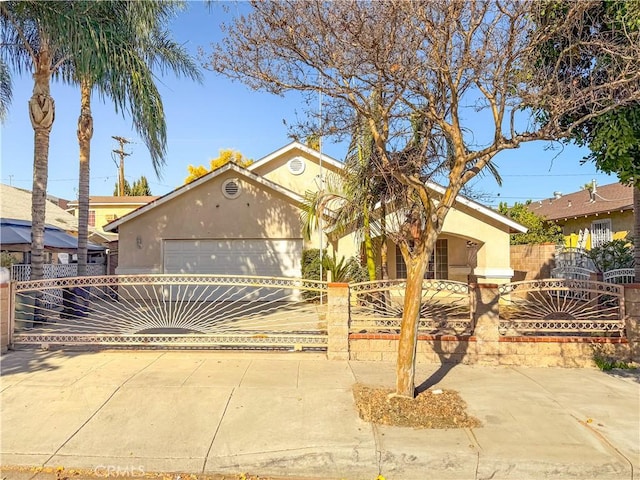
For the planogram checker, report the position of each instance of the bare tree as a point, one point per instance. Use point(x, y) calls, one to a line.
point(417, 72)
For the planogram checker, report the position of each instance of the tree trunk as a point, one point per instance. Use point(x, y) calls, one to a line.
point(368, 245)
point(405, 369)
point(42, 114)
point(636, 231)
point(384, 267)
point(85, 132)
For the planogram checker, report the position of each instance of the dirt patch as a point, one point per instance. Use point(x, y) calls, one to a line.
point(426, 410)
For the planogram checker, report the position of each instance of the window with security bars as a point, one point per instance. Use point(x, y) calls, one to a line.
point(601, 232)
point(92, 218)
point(438, 263)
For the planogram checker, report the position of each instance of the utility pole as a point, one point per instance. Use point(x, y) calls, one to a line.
point(122, 141)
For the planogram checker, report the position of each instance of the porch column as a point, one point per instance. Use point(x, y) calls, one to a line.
point(5, 310)
point(632, 319)
point(338, 321)
point(487, 322)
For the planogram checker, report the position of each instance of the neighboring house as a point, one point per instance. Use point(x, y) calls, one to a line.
point(246, 221)
point(15, 234)
point(590, 217)
point(103, 210)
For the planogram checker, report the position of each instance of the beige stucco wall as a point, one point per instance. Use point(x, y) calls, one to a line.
point(204, 212)
point(278, 172)
point(493, 257)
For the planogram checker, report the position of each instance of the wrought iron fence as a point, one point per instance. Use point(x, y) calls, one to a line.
point(22, 272)
point(54, 297)
point(378, 306)
point(572, 273)
point(573, 257)
point(620, 276)
point(561, 307)
point(179, 310)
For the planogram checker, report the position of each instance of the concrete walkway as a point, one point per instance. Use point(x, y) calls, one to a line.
point(293, 415)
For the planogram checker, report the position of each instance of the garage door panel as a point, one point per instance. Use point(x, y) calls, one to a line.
point(258, 257)
point(280, 258)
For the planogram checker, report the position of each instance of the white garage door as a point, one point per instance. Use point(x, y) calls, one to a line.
point(273, 258)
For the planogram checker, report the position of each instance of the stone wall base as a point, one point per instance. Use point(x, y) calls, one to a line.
point(568, 352)
point(5, 315)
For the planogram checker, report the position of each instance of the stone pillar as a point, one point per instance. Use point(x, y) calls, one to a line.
point(5, 312)
point(338, 321)
point(487, 322)
point(632, 319)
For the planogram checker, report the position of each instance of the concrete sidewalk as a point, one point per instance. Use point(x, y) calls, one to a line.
point(293, 415)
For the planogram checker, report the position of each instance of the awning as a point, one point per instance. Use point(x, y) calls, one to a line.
point(16, 232)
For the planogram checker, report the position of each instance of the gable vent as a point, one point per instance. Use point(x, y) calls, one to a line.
point(296, 165)
point(231, 188)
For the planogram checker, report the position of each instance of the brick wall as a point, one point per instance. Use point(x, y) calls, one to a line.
point(531, 262)
point(566, 352)
point(4, 316)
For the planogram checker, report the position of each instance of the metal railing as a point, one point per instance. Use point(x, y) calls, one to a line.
point(216, 311)
point(378, 306)
point(561, 307)
point(224, 311)
point(54, 297)
point(620, 276)
point(572, 273)
point(22, 272)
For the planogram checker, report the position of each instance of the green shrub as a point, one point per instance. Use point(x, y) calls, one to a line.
point(612, 255)
point(6, 260)
point(607, 363)
point(311, 264)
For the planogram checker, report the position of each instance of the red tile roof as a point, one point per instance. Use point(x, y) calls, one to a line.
point(606, 199)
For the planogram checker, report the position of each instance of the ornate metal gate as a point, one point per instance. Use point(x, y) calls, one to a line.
point(561, 307)
point(178, 311)
point(445, 308)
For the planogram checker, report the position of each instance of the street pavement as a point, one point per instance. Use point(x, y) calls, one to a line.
point(120, 413)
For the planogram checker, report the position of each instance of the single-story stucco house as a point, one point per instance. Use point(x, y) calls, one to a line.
point(246, 221)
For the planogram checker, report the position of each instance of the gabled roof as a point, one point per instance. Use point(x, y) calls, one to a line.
point(115, 200)
point(514, 227)
point(297, 146)
point(15, 204)
point(293, 197)
point(613, 197)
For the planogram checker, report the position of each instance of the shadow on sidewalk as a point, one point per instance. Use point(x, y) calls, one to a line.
point(448, 360)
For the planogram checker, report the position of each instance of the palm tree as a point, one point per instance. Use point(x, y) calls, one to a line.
point(5, 90)
point(138, 45)
point(354, 199)
point(40, 38)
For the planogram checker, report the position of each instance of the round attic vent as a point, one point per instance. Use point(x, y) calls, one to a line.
point(231, 188)
point(296, 165)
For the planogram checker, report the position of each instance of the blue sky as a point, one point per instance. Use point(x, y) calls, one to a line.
point(202, 119)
